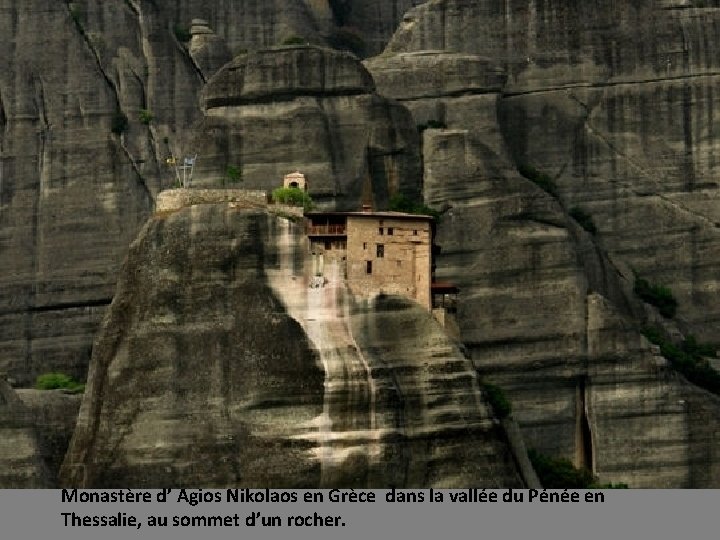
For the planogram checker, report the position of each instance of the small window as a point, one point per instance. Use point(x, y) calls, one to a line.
point(368, 267)
point(414, 233)
point(380, 251)
point(381, 231)
point(399, 262)
point(390, 231)
point(328, 245)
point(364, 245)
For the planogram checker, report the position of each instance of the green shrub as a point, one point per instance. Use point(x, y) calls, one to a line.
point(292, 197)
point(401, 203)
point(583, 219)
point(145, 116)
point(53, 381)
point(294, 40)
point(559, 473)
point(233, 174)
point(499, 402)
point(688, 358)
point(119, 122)
point(182, 33)
point(656, 295)
point(542, 180)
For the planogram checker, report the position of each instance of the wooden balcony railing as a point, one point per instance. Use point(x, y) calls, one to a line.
point(326, 230)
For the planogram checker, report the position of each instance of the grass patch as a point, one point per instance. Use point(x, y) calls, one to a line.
point(145, 116)
point(58, 381)
point(560, 473)
point(540, 179)
point(689, 358)
point(233, 174)
point(401, 203)
point(294, 40)
point(657, 295)
point(292, 197)
point(583, 219)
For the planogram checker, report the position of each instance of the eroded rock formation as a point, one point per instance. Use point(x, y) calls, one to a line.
point(309, 108)
point(251, 378)
point(619, 114)
point(615, 101)
point(21, 460)
point(94, 97)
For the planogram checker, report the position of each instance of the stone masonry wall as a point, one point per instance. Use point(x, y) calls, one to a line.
point(403, 269)
point(175, 199)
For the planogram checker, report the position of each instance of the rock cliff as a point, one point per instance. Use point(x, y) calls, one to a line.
point(312, 109)
point(94, 97)
point(615, 101)
point(218, 365)
point(547, 309)
point(21, 462)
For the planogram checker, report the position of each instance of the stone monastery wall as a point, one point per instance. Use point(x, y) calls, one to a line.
point(174, 199)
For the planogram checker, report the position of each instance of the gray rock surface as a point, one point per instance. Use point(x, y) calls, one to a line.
point(210, 367)
point(616, 105)
point(73, 193)
point(310, 109)
point(615, 101)
point(21, 460)
point(198, 376)
point(70, 198)
point(208, 50)
point(536, 289)
point(53, 414)
point(375, 21)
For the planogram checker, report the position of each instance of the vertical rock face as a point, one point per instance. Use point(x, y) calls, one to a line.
point(208, 50)
point(198, 376)
point(374, 20)
point(21, 463)
point(70, 199)
point(616, 103)
point(547, 309)
point(94, 97)
point(53, 414)
point(310, 109)
point(210, 367)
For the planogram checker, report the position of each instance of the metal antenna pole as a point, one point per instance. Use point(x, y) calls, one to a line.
point(192, 166)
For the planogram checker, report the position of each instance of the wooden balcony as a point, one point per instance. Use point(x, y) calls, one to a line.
point(326, 230)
